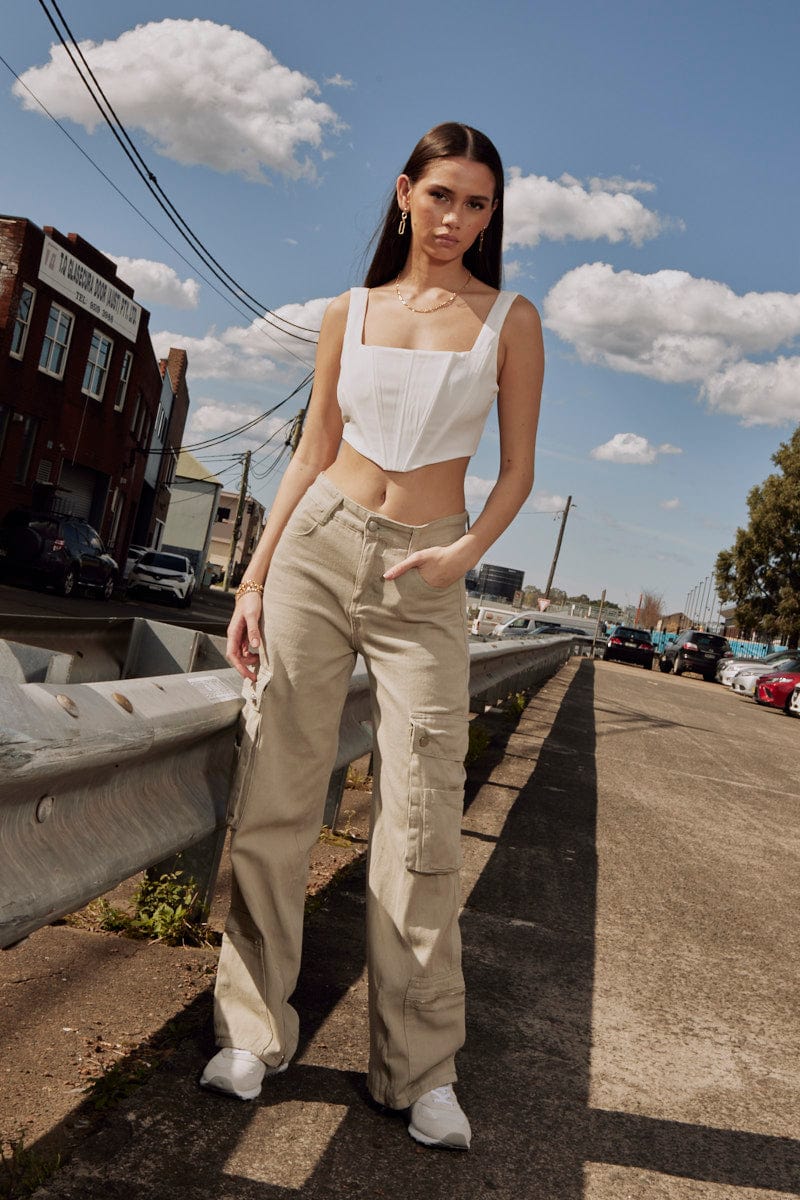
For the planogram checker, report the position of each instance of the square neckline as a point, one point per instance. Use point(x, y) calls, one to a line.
point(413, 350)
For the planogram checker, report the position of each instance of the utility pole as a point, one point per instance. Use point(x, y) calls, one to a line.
point(599, 622)
point(564, 516)
point(293, 439)
point(237, 524)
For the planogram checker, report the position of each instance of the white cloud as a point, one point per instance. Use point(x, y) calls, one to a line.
point(476, 488)
point(671, 504)
point(631, 448)
point(339, 81)
point(205, 93)
point(156, 283)
point(546, 502)
point(670, 325)
point(512, 270)
point(249, 353)
point(537, 207)
point(616, 183)
point(208, 418)
point(759, 393)
point(676, 328)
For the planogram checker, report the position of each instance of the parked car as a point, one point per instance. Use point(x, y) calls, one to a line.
point(728, 668)
point(777, 690)
point(134, 554)
point(522, 626)
point(793, 707)
point(61, 552)
point(627, 644)
point(168, 575)
point(744, 682)
point(694, 650)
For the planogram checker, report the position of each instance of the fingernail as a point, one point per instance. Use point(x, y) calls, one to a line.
point(254, 645)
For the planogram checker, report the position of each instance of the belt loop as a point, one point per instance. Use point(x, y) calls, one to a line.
point(329, 509)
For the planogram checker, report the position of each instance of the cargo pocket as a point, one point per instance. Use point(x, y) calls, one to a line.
point(433, 1014)
point(436, 793)
point(246, 741)
point(240, 1012)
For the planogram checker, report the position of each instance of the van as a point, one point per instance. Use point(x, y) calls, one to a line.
point(486, 620)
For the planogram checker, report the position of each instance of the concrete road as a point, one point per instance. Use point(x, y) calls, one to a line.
point(631, 887)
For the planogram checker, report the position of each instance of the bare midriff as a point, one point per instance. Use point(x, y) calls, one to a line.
point(412, 497)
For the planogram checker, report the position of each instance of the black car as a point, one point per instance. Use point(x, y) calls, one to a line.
point(630, 645)
point(694, 650)
point(55, 551)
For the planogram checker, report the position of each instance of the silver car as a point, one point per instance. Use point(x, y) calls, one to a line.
point(728, 668)
point(744, 681)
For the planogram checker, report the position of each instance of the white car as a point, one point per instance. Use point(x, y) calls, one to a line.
point(794, 702)
point(134, 554)
point(744, 681)
point(169, 575)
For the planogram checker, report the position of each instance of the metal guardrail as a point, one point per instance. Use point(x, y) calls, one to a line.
point(101, 779)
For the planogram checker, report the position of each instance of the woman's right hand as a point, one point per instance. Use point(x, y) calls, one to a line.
point(244, 636)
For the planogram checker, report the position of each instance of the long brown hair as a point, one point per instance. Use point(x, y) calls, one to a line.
point(450, 140)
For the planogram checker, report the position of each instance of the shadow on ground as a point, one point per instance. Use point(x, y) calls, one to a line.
point(528, 929)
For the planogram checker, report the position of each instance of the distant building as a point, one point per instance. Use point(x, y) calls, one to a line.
point(161, 455)
point(674, 623)
point(194, 499)
point(222, 533)
point(79, 382)
point(499, 582)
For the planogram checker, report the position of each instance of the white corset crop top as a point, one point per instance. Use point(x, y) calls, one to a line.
point(408, 408)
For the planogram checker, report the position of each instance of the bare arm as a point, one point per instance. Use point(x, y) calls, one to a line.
point(317, 449)
point(520, 389)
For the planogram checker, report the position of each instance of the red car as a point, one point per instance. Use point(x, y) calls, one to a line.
point(776, 690)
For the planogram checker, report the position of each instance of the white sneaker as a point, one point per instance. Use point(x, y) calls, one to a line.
point(437, 1119)
point(237, 1073)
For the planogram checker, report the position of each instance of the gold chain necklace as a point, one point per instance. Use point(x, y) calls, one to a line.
point(436, 307)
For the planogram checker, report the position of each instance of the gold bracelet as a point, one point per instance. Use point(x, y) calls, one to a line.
point(247, 586)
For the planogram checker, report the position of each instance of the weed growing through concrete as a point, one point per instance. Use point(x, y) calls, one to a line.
point(22, 1171)
point(478, 744)
point(167, 909)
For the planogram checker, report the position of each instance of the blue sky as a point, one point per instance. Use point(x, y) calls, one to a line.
point(652, 159)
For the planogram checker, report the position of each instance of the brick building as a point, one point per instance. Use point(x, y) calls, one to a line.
point(80, 387)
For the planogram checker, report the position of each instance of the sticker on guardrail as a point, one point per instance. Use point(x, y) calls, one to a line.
point(215, 689)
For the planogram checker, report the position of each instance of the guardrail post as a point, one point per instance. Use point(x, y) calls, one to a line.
point(333, 801)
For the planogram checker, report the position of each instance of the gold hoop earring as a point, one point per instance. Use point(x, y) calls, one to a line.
point(480, 242)
point(401, 228)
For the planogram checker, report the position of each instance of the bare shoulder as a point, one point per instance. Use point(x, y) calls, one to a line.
point(523, 320)
point(337, 310)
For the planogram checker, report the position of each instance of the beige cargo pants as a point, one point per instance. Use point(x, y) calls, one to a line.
point(325, 601)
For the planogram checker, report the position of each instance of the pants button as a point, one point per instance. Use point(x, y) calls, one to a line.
point(372, 525)
point(423, 741)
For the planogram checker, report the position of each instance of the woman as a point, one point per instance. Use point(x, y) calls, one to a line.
point(365, 551)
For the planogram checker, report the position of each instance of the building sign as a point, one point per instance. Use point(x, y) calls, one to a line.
point(72, 278)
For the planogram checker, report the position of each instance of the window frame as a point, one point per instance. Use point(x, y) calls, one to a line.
point(46, 369)
point(93, 366)
point(25, 325)
point(124, 380)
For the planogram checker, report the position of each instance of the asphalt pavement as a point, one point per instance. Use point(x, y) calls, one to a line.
point(631, 891)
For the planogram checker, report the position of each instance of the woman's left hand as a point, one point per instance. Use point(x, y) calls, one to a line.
point(435, 565)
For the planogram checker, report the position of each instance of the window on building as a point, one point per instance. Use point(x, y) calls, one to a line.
point(161, 424)
point(5, 421)
point(29, 429)
point(223, 514)
point(171, 468)
point(94, 377)
point(158, 534)
point(124, 376)
point(136, 408)
point(55, 345)
point(22, 321)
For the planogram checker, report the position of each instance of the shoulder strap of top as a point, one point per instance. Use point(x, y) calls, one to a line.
point(499, 310)
point(354, 330)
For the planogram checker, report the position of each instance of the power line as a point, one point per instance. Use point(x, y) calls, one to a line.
point(150, 180)
point(192, 266)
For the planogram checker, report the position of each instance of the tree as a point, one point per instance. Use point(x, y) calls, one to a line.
point(761, 571)
point(651, 609)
